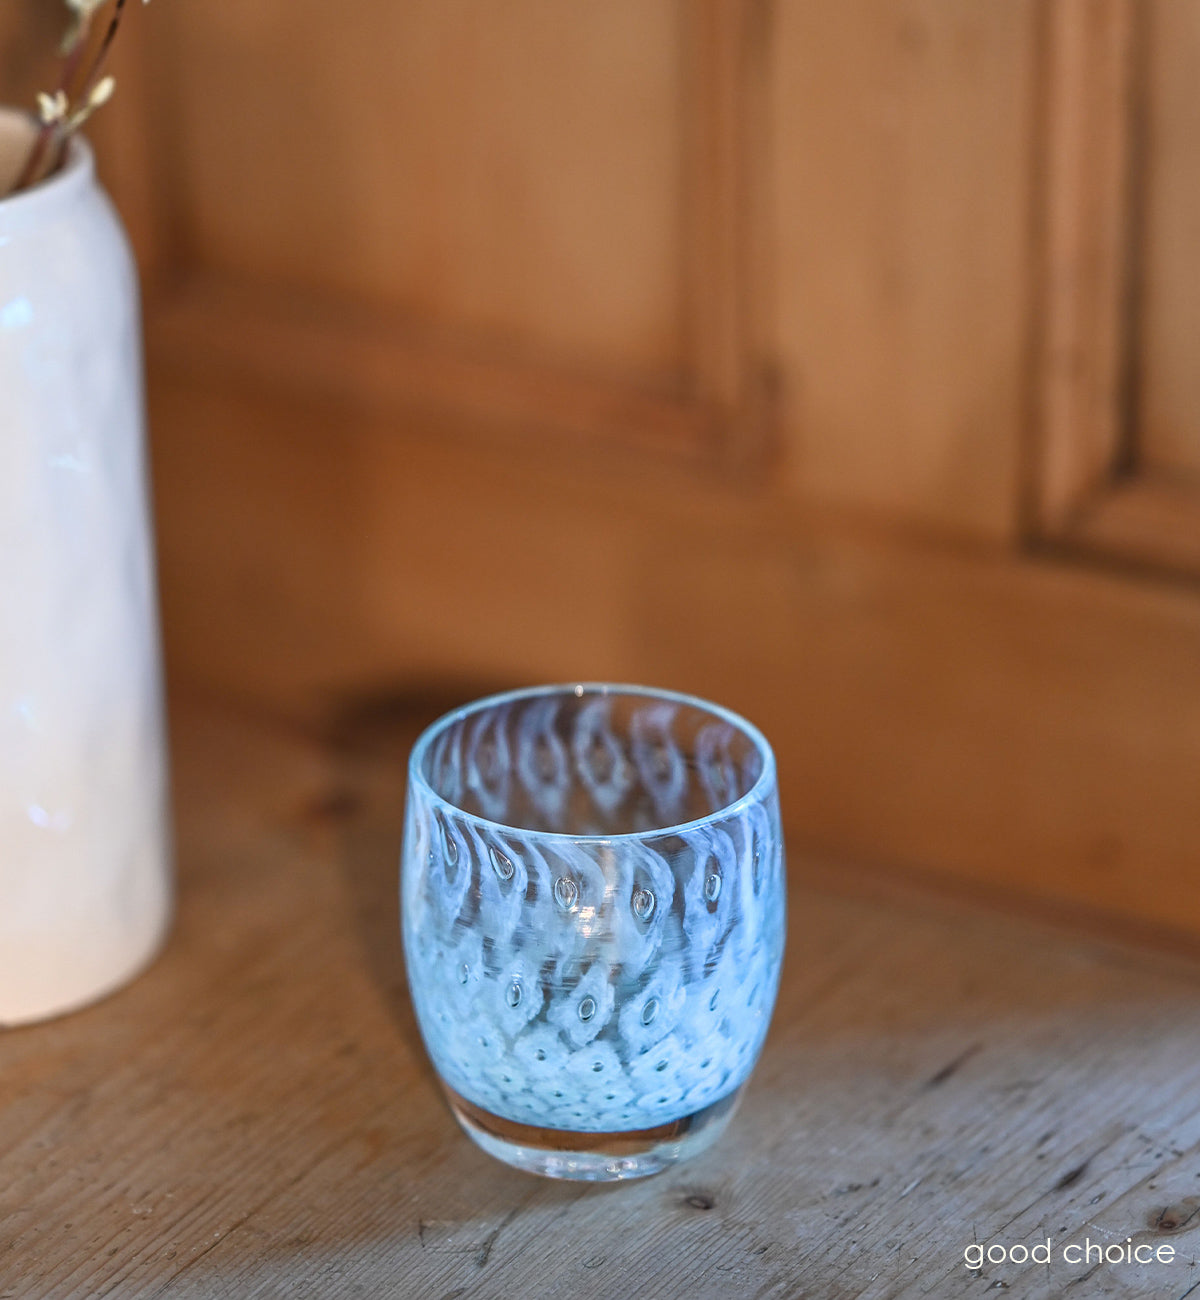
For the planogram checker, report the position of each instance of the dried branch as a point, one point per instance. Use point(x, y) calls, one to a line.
point(64, 112)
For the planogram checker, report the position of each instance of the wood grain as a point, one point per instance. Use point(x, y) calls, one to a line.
point(727, 235)
point(1151, 521)
point(1168, 418)
point(1115, 473)
point(725, 199)
point(514, 251)
point(902, 149)
point(369, 357)
point(29, 35)
point(462, 391)
point(255, 1117)
point(510, 171)
point(1086, 332)
point(1003, 719)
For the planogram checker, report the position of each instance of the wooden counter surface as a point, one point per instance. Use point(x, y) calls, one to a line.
point(255, 1116)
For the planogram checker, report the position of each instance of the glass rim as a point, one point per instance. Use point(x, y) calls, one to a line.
point(756, 794)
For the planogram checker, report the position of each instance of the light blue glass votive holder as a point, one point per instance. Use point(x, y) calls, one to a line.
point(592, 891)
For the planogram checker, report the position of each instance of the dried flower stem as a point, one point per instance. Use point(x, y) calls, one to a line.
point(31, 172)
point(57, 124)
point(110, 35)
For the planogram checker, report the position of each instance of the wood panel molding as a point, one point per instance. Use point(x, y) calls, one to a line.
point(238, 334)
point(720, 411)
point(728, 243)
point(1020, 725)
point(1089, 494)
point(1084, 312)
point(973, 715)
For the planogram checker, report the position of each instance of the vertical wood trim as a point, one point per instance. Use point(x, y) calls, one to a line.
point(725, 238)
point(758, 429)
point(1087, 253)
point(712, 41)
point(1089, 495)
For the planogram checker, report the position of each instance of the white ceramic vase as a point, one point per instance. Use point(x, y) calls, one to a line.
point(85, 878)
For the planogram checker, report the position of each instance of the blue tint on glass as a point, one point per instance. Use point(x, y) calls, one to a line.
point(593, 904)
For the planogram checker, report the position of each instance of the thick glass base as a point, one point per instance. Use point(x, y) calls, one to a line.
point(594, 1157)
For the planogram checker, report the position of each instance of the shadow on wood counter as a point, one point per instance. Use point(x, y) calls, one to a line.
point(255, 1117)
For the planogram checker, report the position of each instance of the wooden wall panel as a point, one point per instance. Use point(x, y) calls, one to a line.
point(902, 140)
point(1115, 466)
point(404, 250)
point(964, 713)
point(1082, 311)
point(28, 36)
point(505, 168)
point(632, 133)
point(1167, 418)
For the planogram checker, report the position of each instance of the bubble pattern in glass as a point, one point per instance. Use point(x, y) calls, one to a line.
point(593, 904)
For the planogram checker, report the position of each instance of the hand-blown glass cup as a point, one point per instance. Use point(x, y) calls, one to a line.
point(593, 913)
